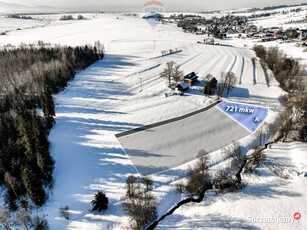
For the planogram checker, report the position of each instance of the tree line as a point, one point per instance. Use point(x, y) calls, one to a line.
point(292, 122)
point(29, 75)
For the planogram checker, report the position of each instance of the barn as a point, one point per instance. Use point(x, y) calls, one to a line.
point(211, 86)
point(183, 87)
point(191, 78)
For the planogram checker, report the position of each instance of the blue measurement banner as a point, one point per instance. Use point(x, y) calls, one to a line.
point(251, 117)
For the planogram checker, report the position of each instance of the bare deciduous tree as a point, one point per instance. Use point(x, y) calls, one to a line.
point(261, 134)
point(177, 75)
point(285, 124)
point(202, 153)
point(221, 85)
point(230, 81)
point(5, 218)
point(180, 187)
point(139, 203)
point(172, 73)
point(11, 181)
point(168, 73)
point(23, 218)
point(198, 177)
point(225, 181)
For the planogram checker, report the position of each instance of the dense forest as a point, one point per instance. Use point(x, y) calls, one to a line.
point(29, 75)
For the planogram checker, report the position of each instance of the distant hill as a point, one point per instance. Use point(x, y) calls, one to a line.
point(11, 6)
point(277, 7)
point(6, 7)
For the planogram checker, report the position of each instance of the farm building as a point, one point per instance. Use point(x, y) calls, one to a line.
point(191, 78)
point(183, 87)
point(210, 86)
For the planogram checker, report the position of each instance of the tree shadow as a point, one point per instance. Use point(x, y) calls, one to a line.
point(87, 154)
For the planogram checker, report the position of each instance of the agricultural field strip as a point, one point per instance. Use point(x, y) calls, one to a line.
point(165, 122)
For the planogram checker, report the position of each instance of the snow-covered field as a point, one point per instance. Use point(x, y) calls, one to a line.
point(105, 99)
point(10, 25)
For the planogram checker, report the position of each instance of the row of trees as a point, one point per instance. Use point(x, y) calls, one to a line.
point(293, 120)
point(199, 180)
point(227, 82)
point(70, 17)
point(29, 75)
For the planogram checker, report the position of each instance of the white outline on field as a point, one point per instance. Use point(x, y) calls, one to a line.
point(238, 121)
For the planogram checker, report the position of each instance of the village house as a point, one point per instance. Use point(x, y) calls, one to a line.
point(191, 78)
point(183, 87)
point(211, 86)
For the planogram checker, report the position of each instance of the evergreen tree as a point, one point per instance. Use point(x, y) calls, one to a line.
point(25, 139)
point(43, 158)
point(33, 186)
point(100, 202)
point(48, 107)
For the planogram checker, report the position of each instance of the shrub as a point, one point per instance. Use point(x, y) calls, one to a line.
point(139, 203)
point(100, 202)
point(39, 223)
point(66, 17)
point(198, 177)
point(80, 17)
point(258, 158)
point(65, 212)
point(180, 187)
point(226, 182)
point(260, 51)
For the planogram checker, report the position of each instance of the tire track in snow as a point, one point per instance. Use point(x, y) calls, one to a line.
point(198, 64)
point(248, 72)
point(208, 65)
point(234, 62)
point(242, 70)
point(219, 67)
point(260, 75)
point(190, 59)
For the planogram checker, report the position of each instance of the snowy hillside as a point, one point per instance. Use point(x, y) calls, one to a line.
point(124, 91)
point(267, 195)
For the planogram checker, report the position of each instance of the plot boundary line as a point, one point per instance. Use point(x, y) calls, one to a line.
point(143, 128)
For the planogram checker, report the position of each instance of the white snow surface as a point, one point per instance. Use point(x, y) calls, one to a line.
point(265, 196)
point(105, 99)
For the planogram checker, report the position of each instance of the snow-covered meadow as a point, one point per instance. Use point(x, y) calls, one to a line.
point(107, 99)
